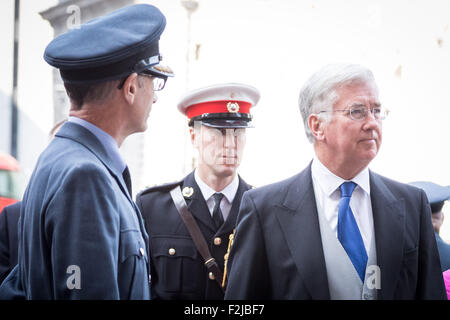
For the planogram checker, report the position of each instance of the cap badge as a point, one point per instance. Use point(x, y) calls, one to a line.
point(233, 107)
point(187, 192)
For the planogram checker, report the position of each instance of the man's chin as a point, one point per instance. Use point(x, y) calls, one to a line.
point(226, 170)
point(368, 156)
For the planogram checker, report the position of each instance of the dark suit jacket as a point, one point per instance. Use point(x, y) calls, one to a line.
point(183, 275)
point(278, 254)
point(9, 218)
point(80, 234)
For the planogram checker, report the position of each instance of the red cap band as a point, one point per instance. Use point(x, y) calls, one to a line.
point(218, 107)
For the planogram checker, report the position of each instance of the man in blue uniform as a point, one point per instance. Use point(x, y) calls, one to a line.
point(81, 235)
point(218, 117)
point(437, 195)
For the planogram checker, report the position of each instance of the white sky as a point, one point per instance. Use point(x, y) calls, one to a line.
point(275, 45)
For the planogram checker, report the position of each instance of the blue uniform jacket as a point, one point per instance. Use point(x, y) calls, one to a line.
point(80, 234)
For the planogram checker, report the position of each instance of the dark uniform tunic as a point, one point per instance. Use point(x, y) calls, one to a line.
point(9, 218)
point(177, 268)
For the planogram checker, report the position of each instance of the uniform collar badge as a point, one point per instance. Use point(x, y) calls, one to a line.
point(187, 192)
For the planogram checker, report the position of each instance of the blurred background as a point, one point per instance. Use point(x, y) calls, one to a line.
point(273, 45)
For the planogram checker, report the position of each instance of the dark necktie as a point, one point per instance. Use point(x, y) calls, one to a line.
point(348, 231)
point(127, 178)
point(217, 213)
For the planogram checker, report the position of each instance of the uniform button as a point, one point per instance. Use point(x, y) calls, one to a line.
point(217, 241)
point(172, 251)
point(141, 250)
point(225, 257)
point(211, 276)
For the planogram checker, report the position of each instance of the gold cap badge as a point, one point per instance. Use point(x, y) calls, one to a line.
point(233, 107)
point(187, 191)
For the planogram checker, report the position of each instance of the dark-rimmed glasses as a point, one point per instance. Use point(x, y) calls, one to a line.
point(158, 83)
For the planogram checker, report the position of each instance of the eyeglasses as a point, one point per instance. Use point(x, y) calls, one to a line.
point(158, 83)
point(360, 112)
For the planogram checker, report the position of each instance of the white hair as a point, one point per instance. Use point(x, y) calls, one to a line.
point(319, 92)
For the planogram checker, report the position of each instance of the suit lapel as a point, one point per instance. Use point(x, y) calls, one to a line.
point(230, 223)
point(298, 219)
point(389, 224)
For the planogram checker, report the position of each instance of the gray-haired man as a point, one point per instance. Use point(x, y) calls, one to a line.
point(336, 230)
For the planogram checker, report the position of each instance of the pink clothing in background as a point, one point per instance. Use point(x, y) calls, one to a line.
point(446, 275)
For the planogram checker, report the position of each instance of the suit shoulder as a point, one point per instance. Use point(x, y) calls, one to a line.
point(246, 185)
point(400, 190)
point(274, 190)
point(397, 186)
point(159, 188)
point(12, 209)
point(11, 213)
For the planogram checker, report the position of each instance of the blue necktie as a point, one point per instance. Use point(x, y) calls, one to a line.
point(348, 232)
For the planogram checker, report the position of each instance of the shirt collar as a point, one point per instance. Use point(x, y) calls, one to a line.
point(107, 141)
point(229, 191)
point(329, 182)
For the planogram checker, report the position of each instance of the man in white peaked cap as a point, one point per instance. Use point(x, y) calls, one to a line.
point(218, 117)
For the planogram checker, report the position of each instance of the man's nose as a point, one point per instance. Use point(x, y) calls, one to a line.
point(370, 122)
point(229, 139)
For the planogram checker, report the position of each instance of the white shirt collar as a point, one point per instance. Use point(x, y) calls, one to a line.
point(229, 191)
point(329, 182)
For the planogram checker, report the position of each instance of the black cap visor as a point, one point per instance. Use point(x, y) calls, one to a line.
point(232, 124)
point(151, 66)
point(224, 120)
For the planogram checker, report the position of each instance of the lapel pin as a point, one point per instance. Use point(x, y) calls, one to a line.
point(187, 192)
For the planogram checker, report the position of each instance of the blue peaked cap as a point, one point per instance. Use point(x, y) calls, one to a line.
point(436, 194)
point(111, 47)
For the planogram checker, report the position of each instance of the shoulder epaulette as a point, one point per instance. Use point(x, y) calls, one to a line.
point(163, 187)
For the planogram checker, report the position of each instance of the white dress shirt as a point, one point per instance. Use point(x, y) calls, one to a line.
point(229, 193)
point(327, 193)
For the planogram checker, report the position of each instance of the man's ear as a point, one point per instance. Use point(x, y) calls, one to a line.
point(194, 136)
point(316, 125)
point(130, 87)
